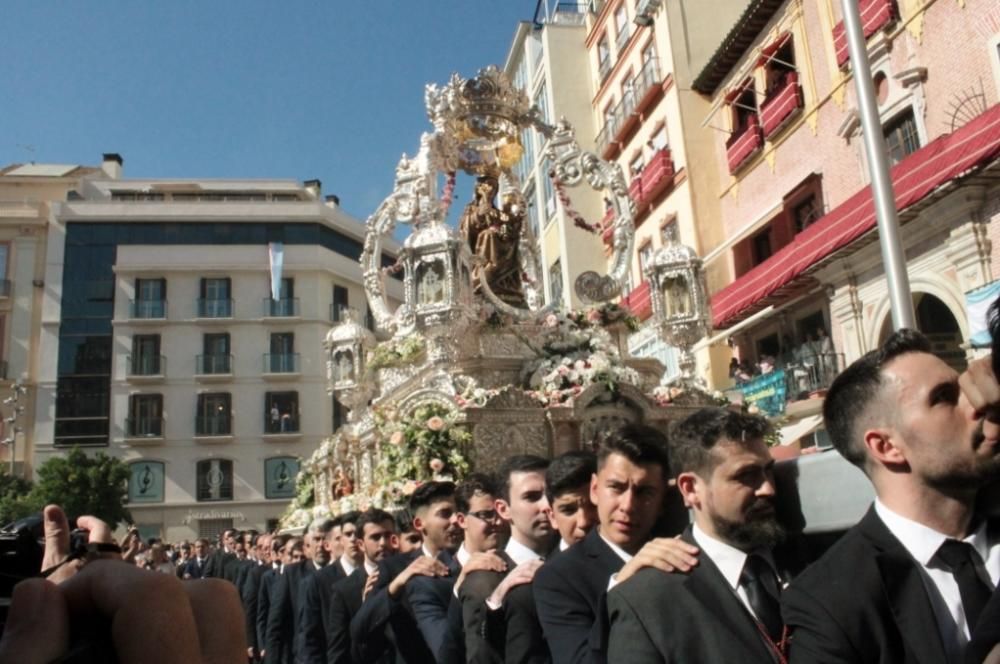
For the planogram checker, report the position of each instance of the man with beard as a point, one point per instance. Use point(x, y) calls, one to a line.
point(726, 608)
point(910, 579)
point(523, 505)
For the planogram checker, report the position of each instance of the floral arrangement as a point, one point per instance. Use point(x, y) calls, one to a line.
point(395, 352)
point(577, 352)
point(428, 444)
point(475, 397)
point(664, 395)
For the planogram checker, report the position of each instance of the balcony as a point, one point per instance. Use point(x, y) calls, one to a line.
point(286, 307)
point(213, 366)
point(647, 85)
point(147, 309)
point(658, 175)
point(145, 366)
point(621, 41)
point(214, 308)
point(807, 377)
point(875, 15)
point(4, 287)
point(780, 106)
point(281, 364)
point(604, 68)
point(287, 424)
point(212, 426)
point(638, 301)
point(744, 144)
point(144, 427)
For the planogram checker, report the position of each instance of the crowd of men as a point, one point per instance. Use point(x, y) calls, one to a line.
point(591, 557)
point(583, 558)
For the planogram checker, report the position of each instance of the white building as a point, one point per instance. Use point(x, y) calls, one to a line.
point(162, 343)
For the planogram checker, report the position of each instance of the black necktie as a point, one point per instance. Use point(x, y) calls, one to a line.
point(962, 559)
point(761, 585)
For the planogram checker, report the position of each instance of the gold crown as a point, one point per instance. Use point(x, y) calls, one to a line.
point(487, 106)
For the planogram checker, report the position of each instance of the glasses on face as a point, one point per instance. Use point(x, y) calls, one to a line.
point(485, 515)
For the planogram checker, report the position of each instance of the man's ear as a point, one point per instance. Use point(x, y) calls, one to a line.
point(882, 446)
point(461, 519)
point(687, 484)
point(418, 524)
point(502, 508)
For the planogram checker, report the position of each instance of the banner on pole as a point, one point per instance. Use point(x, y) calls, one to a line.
point(276, 257)
point(977, 303)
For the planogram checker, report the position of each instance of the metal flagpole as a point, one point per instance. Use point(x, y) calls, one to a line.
point(900, 299)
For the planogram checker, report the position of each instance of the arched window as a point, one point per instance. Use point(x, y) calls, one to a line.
point(215, 480)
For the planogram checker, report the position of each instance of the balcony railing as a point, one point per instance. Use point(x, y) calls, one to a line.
point(778, 108)
point(638, 301)
point(146, 365)
point(286, 307)
point(277, 363)
point(875, 14)
point(145, 309)
point(285, 423)
point(647, 84)
point(144, 427)
point(807, 374)
point(214, 308)
point(213, 425)
point(621, 41)
point(213, 365)
point(743, 144)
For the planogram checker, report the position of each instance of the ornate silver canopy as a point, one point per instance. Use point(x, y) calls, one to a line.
point(347, 345)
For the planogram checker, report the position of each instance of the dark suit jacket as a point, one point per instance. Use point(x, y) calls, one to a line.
point(345, 602)
point(438, 613)
point(863, 601)
point(693, 617)
point(987, 632)
point(317, 590)
point(284, 638)
point(216, 563)
point(249, 596)
point(570, 592)
point(268, 581)
point(193, 568)
point(384, 629)
point(482, 645)
point(523, 639)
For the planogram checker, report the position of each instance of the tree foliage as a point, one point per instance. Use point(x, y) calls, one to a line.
point(15, 498)
point(84, 484)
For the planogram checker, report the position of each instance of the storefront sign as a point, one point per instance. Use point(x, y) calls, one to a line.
point(212, 514)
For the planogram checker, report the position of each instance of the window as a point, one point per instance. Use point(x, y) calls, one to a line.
point(779, 62)
point(145, 416)
point(649, 52)
point(281, 412)
point(542, 102)
point(145, 482)
point(216, 357)
point(214, 417)
point(211, 529)
point(215, 480)
point(669, 232)
point(282, 358)
point(146, 360)
point(531, 202)
point(279, 477)
point(761, 244)
point(621, 27)
point(635, 166)
point(645, 255)
point(528, 158)
point(744, 109)
point(215, 298)
point(659, 140)
point(901, 138)
point(603, 57)
point(806, 212)
point(339, 303)
point(4, 281)
point(150, 298)
point(556, 284)
point(550, 192)
point(286, 305)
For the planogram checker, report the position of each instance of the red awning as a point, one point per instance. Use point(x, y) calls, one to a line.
point(768, 51)
point(950, 156)
point(734, 94)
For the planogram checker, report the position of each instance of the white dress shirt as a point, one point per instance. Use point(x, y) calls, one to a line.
point(519, 553)
point(730, 562)
point(923, 543)
point(347, 564)
point(563, 544)
point(462, 555)
point(621, 553)
point(370, 567)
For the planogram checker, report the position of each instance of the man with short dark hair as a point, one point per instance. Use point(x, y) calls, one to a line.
point(570, 590)
point(726, 609)
point(567, 485)
point(280, 554)
point(394, 620)
point(195, 566)
point(250, 590)
point(408, 538)
point(908, 581)
point(215, 566)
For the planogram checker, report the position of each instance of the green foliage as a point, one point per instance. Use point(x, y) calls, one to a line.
point(84, 484)
point(428, 444)
point(396, 352)
point(15, 499)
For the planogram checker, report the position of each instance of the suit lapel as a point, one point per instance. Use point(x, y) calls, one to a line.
point(707, 585)
point(905, 592)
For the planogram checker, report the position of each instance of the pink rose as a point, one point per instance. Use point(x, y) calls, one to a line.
point(594, 316)
point(410, 487)
point(396, 438)
point(437, 465)
point(551, 320)
point(435, 423)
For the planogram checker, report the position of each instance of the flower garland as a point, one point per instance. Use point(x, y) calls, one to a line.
point(395, 352)
point(427, 445)
point(578, 352)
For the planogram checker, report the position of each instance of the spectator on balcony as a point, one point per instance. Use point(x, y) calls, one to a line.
point(787, 351)
point(275, 417)
point(826, 356)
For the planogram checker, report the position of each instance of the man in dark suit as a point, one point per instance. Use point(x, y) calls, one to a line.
point(907, 582)
point(521, 503)
point(628, 492)
point(250, 591)
point(284, 620)
point(217, 561)
point(375, 529)
point(319, 587)
point(401, 619)
point(726, 609)
point(195, 566)
point(284, 549)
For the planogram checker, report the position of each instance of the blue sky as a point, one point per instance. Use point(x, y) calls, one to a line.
point(250, 89)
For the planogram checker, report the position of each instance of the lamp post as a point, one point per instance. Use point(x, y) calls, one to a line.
point(18, 390)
